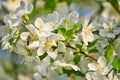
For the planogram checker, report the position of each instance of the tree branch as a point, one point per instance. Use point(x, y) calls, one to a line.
point(87, 55)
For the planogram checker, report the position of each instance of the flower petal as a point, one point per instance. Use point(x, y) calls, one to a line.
point(76, 68)
point(102, 61)
point(40, 51)
point(92, 66)
point(33, 45)
point(24, 35)
point(38, 22)
point(52, 54)
point(107, 69)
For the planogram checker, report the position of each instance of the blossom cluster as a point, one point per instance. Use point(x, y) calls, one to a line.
point(64, 45)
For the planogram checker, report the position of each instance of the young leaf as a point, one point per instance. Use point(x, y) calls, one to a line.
point(116, 64)
point(93, 50)
point(43, 56)
point(76, 27)
point(91, 44)
point(76, 59)
point(109, 53)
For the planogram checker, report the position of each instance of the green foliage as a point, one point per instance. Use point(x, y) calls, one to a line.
point(116, 64)
point(79, 46)
point(76, 59)
point(67, 1)
point(91, 44)
point(70, 72)
point(76, 27)
point(68, 34)
point(94, 50)
point(50, 5)
point(109, 53)
point(114, 3)
point(43, 56)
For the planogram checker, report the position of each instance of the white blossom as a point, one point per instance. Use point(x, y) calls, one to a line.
point(86, 34)
point(101, 66)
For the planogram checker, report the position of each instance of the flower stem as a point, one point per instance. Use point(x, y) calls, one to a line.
point(87, 55)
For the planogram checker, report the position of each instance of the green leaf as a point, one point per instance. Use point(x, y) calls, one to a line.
point(75, 53)
point(114, 3)
point(109, 53)
point(69, 33)
point(43, 56)
point(76, 59)
point(79, 46)
point(11, 41)
point(116, 64)
point(91, 44)
point(62, 31)
point(76, 27)
point(93, 50)
point(50, 5)
point(67, 1)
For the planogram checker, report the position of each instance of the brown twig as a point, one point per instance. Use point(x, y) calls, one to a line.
point(87, 55)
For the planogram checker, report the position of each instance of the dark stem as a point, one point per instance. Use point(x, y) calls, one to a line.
point(34, 3)
point(87, 55)
point(116, 37)
point(117, 9)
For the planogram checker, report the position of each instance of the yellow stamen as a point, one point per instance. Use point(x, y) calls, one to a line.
point(89, 31)
point(34, 38)
point(100, 68)
point(110, 29)
point(48, 44)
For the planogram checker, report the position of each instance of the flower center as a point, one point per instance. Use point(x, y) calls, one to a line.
point(34, 37)
point(110, 29)
point(48, 44)
point(100, 68)
point(88, 31)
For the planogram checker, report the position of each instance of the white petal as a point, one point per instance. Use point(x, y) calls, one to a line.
point(38, 21)
point(90, 37)
point(47, 28)
point(24, 35)
point(92, 66)
point(33, 45)
point(60, 37)
point(32, 29)
point(58, 63)
point(110, 35)
point(29, 9)
point(42, 69)
point(37, 76)
point(53, 17)
point(105, 26)
point(53, 55)
point(102, 61)
point(107, 69)
point(73, 16)
point(103, 32)
point(65, 12)
point(75, 67)
point(63, 77)
point(89, 76)
point(61, 47)
point(86, 23)
point(40, 51)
